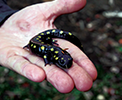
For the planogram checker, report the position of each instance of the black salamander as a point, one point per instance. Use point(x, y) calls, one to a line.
point(51, 54)
point(43, 46)
point(47, 36)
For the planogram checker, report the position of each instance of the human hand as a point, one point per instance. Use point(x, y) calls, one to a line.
point(16, 32)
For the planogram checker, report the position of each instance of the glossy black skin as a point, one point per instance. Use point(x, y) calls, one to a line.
point(42, 44)
point(65, 35)
point(51, 54)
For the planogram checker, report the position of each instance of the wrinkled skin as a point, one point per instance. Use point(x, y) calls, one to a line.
point(23, 25)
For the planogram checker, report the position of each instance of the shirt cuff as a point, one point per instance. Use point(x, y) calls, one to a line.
point(5, 13)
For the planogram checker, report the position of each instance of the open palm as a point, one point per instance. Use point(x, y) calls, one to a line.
point(16, 32)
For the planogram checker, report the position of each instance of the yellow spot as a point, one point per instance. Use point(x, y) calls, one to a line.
point(31, 45)
point(68, 58)
point(61, 32)
point(42, 33)
point(56, 58)
point(42, 42)
point(39, 36)
point(42, 47)
point(48, 37)
point(34, 46)
point(62, 58)
point(48, 32)
point(52, 49)
point(45, 56)
point(53, 40)
point(53, 30)
point(70, 33)
point(56, 52)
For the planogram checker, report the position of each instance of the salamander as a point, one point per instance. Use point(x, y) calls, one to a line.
point(47, 36)
point(51, 54)
point(44, 46)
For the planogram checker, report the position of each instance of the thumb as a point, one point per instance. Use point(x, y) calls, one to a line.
point(57, 7)
point(69, 6)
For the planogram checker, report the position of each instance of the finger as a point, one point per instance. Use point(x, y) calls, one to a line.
point(59, 79)
point(56, 76)
point(81, 78)
point(83, 71)
point(69, 6)
point(79, 57)
point(57, 7)
point(83, 61)
point(81, 75)
point(14, 61)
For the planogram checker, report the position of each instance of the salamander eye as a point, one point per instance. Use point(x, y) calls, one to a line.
point(62, 61)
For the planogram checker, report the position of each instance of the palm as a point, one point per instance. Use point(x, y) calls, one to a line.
point(21, 27)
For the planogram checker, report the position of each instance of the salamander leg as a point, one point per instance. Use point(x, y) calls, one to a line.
point(54, 42)
point(46, 60)
point(27, 46)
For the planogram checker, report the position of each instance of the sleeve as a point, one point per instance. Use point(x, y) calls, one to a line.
point(5, 11)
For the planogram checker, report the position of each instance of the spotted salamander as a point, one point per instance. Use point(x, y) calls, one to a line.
point(44, 46)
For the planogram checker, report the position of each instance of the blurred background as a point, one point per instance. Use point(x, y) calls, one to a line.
point(99, 28)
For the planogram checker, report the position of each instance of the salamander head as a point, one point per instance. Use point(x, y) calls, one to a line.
point(65, 61)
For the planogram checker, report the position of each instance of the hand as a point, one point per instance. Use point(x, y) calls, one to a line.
point(16, 32)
